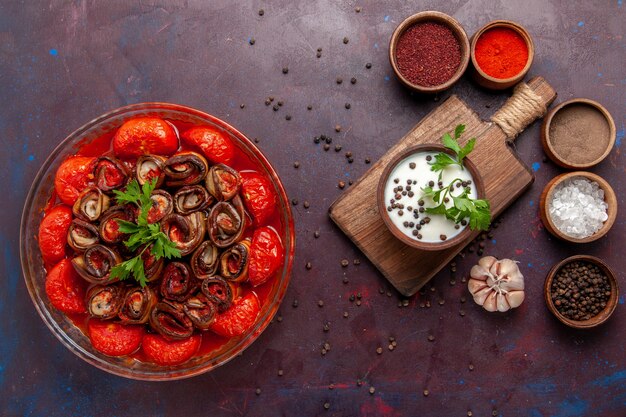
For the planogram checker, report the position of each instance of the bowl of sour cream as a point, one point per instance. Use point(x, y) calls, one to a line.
point(406, 206)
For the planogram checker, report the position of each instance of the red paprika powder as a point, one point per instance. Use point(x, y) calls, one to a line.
point(501, 52)
point(428, 54)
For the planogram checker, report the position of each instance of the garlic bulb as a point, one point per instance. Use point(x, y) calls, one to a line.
point(496, 285)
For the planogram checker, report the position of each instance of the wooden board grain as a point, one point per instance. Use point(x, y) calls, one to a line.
point(504, 175)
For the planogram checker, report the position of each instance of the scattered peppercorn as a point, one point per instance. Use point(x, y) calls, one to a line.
point(296, 165)
point(337, 128)
point(353, 80)
point(288, 117)
point(368, 65)
point(308, 265)
point(251, 41)
point(347, 106)
point(306, 204)
point(341, 184)
point(316, 234)
point(285, 70)
point(261, 12)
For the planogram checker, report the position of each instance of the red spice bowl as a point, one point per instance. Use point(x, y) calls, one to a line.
point(429, 52)
point(502, 52)
point(48, 274)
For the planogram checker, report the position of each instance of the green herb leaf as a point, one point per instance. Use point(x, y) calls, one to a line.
point(450, 143)
point(458, 131)
point(142, 233)
point(463, 207)
point(465, 150)
point(441, 161)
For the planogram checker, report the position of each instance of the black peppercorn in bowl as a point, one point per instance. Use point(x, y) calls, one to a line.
point(429, 52)
point(581, 291)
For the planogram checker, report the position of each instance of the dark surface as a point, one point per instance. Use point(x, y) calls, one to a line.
point(64, 63)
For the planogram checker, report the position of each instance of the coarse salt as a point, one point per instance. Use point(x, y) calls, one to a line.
point(577, 207)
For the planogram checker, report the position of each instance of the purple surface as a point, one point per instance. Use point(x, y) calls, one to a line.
point(64, 63)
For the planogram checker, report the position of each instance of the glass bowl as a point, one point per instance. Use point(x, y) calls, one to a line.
point(33, 268)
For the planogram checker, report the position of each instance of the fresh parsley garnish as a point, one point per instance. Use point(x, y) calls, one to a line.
point(141, 233)
point(463, 207)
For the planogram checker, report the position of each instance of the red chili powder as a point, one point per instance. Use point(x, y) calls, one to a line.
point(428, 54)
point(501, 52)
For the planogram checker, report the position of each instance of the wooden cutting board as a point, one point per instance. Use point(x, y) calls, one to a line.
point(505, 177)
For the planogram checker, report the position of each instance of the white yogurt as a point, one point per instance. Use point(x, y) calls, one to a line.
point(439, 224)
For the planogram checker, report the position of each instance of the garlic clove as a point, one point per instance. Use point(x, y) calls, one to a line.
point(511, 270)
point(479, 272)
point(475, 285)
point(490, 303)
point(481, 295)
point(502, 303)
point(515, 298)
point(487, 261)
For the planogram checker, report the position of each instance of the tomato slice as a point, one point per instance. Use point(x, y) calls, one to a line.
point(115, 339)
point(170, 352)
point(258, 195)
point(65, 288)
point(239, 318)
point(73, 176)
point(145, 135)
point(214, 143)
point(266, 255)
point(53, 233)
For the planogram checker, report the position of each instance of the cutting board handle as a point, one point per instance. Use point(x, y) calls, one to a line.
point(528, 103)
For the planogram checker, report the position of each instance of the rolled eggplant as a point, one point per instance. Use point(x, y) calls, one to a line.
point(110, 173)
point(169, 319)
point(149, 167)
point(82, 235)
point(205, 260)
point(162, 205)
point(192, 198)
point(200, 310)
point(104, 301)
point(223, 182)
point(95, 264)
point(137, 305)
point(91, 204)
point(187, 232)
point(234, 262)
point(226, 222)
point(185, 168)
point(177, 282)
point(109, 227)
point(218, 291)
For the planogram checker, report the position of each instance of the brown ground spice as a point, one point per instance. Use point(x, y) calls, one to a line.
point(579, 133)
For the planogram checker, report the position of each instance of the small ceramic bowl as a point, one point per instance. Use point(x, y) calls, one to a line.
point(437, 17)
point(600, 317)
point(588, 109)
point(609, 197)
point(494, 83)
point(382, 206)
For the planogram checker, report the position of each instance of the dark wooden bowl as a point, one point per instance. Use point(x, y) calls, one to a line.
point(488, 81)
point(609, 197)
point(437, 17)
point(545, 134)
point(600, 317)
point(382, 206)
